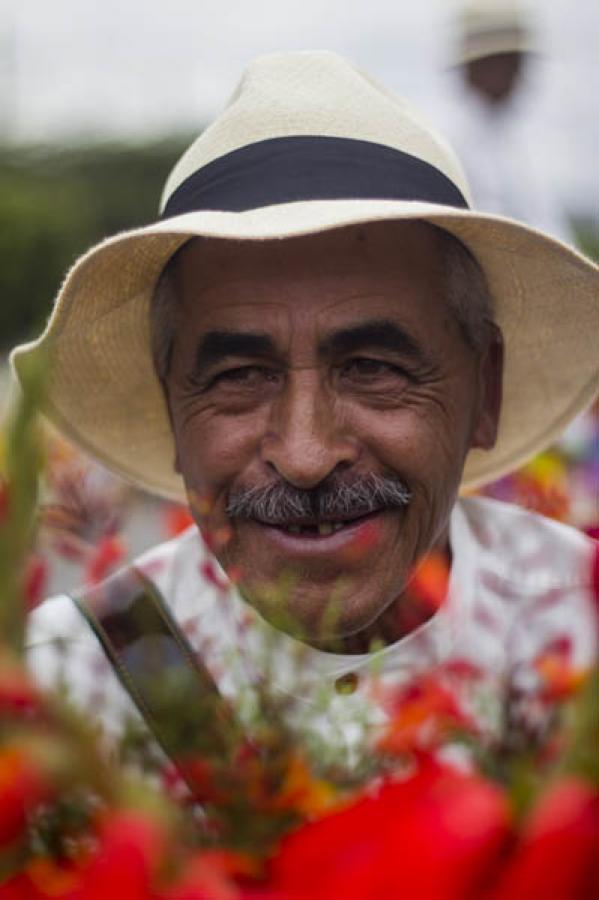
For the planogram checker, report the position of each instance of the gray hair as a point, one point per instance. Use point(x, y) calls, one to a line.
point(163, 320)
point(332, 500)
point(467, 290)
point(468, 296)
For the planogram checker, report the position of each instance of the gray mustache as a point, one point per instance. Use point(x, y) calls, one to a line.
point(280, 503)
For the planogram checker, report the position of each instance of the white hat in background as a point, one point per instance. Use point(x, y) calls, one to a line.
point(490, 27)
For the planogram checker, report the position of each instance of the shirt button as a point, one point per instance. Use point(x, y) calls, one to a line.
point(347, 684)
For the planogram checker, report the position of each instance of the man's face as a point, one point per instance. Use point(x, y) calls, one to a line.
point(318, 361)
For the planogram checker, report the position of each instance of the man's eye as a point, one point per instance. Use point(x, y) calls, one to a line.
point(245, 376)
point(365, 369)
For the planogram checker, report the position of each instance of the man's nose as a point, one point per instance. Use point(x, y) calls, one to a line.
point(308, 435)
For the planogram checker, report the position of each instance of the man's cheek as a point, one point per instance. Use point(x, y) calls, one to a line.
point(210, 464)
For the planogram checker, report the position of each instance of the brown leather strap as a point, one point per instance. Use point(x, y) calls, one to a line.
point(155, 663)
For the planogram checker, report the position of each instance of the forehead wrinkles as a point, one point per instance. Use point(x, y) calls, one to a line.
point(298, 299)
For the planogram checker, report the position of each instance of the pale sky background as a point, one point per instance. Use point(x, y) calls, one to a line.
point(74, 70)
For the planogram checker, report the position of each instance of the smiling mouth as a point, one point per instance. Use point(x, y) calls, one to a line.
point(318, 529)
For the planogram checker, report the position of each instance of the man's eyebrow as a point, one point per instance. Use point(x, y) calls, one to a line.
point(216, 345)
point(376, 333)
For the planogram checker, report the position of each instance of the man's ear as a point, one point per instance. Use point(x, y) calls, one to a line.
point(490, 373)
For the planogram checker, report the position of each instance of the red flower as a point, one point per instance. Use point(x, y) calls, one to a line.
point(437, 835)
point(109, 552)
point(131, 848)
point(211, 875)
point(18, 695)
point(4, 501)
point(18, 888)
point(464, 670)
point(22, 788)
point(558, 858)
point(202, 776)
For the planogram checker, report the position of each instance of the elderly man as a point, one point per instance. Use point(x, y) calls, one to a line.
point(310, 345)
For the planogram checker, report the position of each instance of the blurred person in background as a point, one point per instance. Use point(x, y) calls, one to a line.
point(495, 45)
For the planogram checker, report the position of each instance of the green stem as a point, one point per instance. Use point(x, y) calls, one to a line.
point(22, 466)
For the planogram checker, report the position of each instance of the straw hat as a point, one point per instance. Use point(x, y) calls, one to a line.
point(307, 144)
point(489, 27)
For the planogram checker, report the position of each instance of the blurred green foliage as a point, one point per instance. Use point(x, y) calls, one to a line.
point(587, 236)
point(57, 202)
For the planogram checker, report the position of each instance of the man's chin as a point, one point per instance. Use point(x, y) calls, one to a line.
point(326, 618)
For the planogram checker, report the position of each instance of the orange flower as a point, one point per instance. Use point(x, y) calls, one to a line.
point(429, 580)
point(51, 879)
point(559, 678)
point(301, 792)
point(423, 715)
point(177, 519)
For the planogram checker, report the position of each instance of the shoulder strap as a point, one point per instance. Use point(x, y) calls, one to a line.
point(155, 663)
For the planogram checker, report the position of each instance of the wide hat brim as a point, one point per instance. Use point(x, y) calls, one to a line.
point(103, 393)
